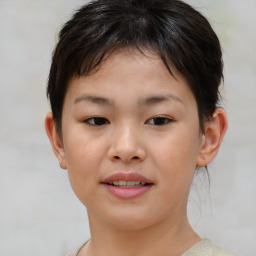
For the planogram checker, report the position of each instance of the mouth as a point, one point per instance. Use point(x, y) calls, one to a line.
point(128, 184)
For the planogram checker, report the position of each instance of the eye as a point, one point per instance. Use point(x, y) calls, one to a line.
point(96, 121)
point(159, 121)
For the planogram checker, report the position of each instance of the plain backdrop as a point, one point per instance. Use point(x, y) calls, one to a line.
point(39, 214)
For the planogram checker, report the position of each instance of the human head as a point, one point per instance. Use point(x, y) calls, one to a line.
point(172, 29)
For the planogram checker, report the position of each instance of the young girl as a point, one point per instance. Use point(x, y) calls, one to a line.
point(133, 89)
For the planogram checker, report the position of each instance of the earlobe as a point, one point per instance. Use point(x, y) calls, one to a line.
point(55, 140)
point(215, 130)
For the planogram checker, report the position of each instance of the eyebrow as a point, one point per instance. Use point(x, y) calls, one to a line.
point(94, 99)
point(151, 100)
point(159, 98)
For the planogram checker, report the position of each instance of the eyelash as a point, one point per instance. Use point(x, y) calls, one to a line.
point(163, 120)
point(100, 121)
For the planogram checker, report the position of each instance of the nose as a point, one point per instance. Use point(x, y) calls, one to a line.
point(126, 145)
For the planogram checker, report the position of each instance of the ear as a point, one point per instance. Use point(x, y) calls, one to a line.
point(55, 140)
point(215, 130)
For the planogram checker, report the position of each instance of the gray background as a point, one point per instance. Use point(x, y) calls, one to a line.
point(39, 213)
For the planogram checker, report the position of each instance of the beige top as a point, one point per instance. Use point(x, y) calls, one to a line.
point(202, 248)
point(206, 248)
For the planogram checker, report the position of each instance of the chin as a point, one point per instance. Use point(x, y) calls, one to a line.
point(131, 225)
point(130, 220)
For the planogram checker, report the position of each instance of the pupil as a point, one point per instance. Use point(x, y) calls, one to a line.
point(159, 120)
point(99, 121)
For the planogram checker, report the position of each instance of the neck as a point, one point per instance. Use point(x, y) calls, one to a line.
point(174, 237)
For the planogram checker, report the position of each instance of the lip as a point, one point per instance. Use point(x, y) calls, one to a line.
point(126, 177)
point(127, 193)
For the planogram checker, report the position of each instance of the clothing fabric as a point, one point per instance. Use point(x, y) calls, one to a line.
point(206, 248)
point(203, 248)
point(77, 252)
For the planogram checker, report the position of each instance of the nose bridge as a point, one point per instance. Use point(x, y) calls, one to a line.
point(127, 143)
point(126, 135)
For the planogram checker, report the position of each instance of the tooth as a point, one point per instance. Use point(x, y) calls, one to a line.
point(116, 183)
point(131, 183)
point(122, 183)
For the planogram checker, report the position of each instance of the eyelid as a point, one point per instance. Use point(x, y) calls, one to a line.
point(100, 118)
point(166, 118)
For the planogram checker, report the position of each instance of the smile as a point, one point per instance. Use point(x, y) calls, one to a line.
point(127, 184)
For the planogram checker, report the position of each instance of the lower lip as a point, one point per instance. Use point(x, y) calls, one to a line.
point(127, 193)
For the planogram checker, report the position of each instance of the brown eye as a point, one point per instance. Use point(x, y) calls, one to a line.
point(159, 121)
point(96, 121)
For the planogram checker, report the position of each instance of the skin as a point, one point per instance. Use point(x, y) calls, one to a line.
point(129, 90)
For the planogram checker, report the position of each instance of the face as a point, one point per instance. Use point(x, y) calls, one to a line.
point(131, 141)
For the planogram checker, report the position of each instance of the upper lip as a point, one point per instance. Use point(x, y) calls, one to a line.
point(132, 176)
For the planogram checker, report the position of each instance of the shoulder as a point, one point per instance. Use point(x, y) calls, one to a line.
point(203, 248)
point(77, 251)
point(74, 254)
point(206, 247)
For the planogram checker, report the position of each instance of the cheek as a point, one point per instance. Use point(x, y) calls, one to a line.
point(81, 173)
point(83, 157)
point(176, 155)
point(81, 150)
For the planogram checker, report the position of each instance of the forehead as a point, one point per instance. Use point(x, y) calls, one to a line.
point(123, 57)
point(129, 70)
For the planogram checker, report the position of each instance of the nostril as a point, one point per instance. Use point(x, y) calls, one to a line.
point(133, 158)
